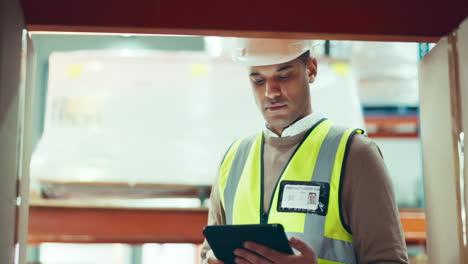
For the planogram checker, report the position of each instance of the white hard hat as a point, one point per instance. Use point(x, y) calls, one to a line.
point(260, 52)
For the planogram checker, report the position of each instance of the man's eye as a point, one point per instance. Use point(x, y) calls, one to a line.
point(283, 77)
point(258, 81)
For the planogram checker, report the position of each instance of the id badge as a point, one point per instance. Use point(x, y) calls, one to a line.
point(308, 197)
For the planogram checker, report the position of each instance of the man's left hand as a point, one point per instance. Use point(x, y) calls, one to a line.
point(265, 255)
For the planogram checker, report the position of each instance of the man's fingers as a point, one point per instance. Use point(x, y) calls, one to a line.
point(273, 255)
point(240, 260)
point(214, 261)
point(302, 246)
point(250, 257)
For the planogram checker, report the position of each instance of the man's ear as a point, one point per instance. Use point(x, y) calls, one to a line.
point(311, 69)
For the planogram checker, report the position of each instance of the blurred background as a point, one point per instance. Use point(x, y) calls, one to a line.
point(120, 118)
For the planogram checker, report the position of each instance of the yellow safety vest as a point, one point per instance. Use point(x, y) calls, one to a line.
point(319, 157)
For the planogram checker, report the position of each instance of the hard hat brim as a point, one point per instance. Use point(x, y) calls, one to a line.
point(265, 60)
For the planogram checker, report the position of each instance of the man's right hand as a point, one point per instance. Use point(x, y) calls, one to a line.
point(214, 261)
point(211, 258)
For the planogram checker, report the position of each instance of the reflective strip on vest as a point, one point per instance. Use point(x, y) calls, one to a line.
point(235, 174)
point(320, 157)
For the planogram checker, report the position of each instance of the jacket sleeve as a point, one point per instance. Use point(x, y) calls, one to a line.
point(368, 205)
point(215, 217)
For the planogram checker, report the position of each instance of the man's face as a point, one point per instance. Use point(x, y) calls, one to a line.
point(282, 91)
point(312, 197)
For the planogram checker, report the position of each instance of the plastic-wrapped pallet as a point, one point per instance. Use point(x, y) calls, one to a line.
point(156, 117)
point(387, 73)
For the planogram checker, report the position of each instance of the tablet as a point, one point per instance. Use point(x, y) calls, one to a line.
point(224, 239)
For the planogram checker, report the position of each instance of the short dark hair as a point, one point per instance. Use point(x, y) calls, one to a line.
point(305, 57)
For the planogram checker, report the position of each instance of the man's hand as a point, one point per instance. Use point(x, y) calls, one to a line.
point(211, 258)
point(267, 255)
point(214, 261)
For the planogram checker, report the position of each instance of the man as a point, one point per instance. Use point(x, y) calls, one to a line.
point(301, 150)
point(312, 197)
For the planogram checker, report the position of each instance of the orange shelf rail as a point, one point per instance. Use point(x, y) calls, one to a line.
point(392, 126)
point(115, 225)
point(65, 223)
point(413, 222)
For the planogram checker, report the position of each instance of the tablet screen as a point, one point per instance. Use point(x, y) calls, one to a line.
point(224, 239)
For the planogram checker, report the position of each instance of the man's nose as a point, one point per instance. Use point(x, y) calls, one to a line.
point(272, 90)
